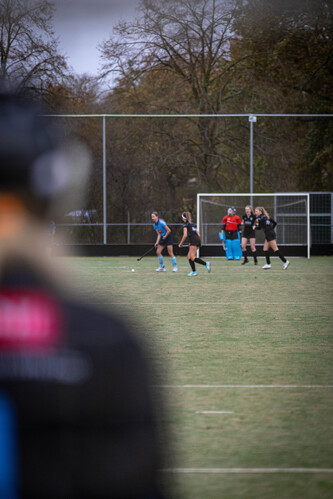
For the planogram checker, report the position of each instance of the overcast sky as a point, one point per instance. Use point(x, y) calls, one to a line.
point(81, 25)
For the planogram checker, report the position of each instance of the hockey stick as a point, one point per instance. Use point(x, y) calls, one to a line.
point(151, 249)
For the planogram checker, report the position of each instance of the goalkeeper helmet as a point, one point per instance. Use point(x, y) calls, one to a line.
point(231, 210)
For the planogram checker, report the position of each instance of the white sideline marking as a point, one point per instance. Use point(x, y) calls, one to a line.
point(242, 386)
point(212, 304)
point(248, 470)
point(214, 412)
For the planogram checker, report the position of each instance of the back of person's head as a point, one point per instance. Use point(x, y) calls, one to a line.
point(186, 216)
point(38, 165)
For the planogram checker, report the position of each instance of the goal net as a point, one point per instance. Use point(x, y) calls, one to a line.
point(291, 211)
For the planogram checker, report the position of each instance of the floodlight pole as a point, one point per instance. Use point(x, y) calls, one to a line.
point(104, 182)
point(252, 119)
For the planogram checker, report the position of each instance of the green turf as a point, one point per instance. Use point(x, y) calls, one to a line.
point(239, 325)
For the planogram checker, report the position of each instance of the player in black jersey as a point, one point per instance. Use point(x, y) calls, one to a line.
point(267, 224)
point(248, 222)
point(190, 230)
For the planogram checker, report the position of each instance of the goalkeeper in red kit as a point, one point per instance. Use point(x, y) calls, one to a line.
point(230, 233)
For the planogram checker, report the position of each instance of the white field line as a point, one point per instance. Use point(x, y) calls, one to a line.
point(214, 412)
point(244, 386)
point(247, 470)
point(210, 304)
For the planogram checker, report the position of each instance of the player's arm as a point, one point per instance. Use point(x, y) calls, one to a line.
point(273, 223)
point(183, 238)
point(168, 231)
point(158, 239)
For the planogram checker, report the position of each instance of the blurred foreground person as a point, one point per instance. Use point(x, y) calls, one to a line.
point(76, 415)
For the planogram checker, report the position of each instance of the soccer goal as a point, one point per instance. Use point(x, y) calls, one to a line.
point(291, 211)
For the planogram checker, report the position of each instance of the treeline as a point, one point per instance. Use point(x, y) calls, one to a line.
point(194, 57)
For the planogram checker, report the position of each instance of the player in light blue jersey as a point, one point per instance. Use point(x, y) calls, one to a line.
point(164, 239)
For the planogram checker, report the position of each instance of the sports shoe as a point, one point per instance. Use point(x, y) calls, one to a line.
point(255, 263)
point(192, 273)
point(208, 267)
point(161, 269)
point(175, 269)
point(286, 265)
point(267, 266)
point(245, 261)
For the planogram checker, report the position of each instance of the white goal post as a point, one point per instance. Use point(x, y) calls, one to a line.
point(291, 211)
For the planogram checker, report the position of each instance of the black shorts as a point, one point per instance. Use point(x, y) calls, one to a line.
point(195, 243)
point(166, 242)
point(249, 234)
point(231, 234)
point(270, 236)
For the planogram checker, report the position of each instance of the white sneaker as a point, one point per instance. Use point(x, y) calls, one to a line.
point(267, 266)
point(286, 265)
point(175, 269)
point(161, 269)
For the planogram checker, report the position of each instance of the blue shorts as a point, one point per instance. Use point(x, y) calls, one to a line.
point(166, 242)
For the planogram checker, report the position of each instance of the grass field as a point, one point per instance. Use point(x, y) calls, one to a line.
point(244, 361)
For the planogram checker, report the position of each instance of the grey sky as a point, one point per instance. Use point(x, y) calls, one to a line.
point(81, 25)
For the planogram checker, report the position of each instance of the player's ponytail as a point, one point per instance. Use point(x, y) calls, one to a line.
point(265, 212)
point(262, 210)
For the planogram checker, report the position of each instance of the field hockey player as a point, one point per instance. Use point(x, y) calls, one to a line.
point(190, 231)
point(164, 239)
point(267, 224)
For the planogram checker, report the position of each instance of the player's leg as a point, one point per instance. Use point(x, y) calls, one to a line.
point(278, 253)
point(191, 258)
point(235, 245)
point(201, 261)
point(254, 250)
point(173, 258)
point(159, 250)
point(244, 241)
point(266, 253)
point(228, 248)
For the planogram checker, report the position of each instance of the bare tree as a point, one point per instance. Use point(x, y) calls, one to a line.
point(28, 48)
point(190, 40)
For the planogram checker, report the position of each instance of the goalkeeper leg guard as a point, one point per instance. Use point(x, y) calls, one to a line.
point(236, 249)
point(228, 249)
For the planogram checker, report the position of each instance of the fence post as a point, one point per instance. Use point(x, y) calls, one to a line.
point(104, 182)
point(252, 119)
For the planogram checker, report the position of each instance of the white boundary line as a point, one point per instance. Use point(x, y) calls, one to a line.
point(243, 386)
point(247, 470)
point(212, 304)
point(214, 412)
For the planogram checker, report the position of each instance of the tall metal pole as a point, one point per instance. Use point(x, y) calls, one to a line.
point(251, 157)
point(104, 183)
point(252, 119)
